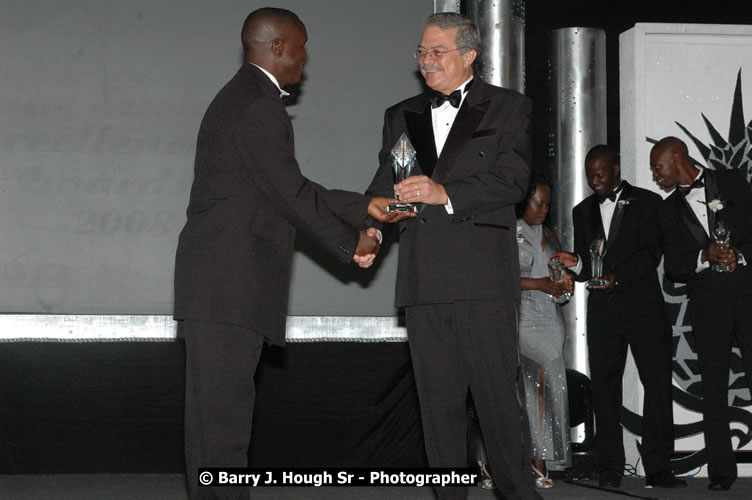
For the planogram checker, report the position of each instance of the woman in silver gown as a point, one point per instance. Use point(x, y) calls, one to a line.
point(541, 339)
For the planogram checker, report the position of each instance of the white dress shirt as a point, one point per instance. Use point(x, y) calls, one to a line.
point(607, 209)
point(696, 198)
point(442, 119)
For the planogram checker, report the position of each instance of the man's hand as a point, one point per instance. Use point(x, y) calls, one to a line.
point(610, 280)
point(569, 282)
point(377, 211)
point(721, 254)
point(569, 259)
point(368, 248)
point(421, 189)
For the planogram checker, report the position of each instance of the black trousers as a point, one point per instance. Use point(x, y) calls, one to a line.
point(472, 345)
point(651, 347)
point(221, 361)
point(715, 326)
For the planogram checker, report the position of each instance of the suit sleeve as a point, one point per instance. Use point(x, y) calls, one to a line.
point(273, 168)
point(741, 196)
point(679, 260)
point(581, 242)
point(383, 181)
point(506, 181)
point(349, 206)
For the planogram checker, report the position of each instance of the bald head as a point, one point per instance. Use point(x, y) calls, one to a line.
point(670, 163)
point(274, 39)
point(673, 144)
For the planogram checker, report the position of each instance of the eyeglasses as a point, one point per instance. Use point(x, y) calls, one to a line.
point(436, 54)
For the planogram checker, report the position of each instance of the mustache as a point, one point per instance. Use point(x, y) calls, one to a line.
point(431, 67)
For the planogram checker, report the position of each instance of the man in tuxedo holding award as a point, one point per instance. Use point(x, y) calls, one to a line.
point(707, 227)
point(458, 277)
point(234, 257)
point(617, 250)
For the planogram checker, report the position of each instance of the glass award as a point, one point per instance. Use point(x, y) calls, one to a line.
point(556, 271)
point(597, 253)
point(403, 164)
point(722, 236)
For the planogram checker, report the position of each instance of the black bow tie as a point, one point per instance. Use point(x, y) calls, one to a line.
point(612, 195)
point(455, 98)
point(684, 190)
point(437, 99)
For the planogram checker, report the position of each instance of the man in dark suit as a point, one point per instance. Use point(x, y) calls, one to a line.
point(719, 302)
point(232, 270)
point(458, 277)
point(627, 310)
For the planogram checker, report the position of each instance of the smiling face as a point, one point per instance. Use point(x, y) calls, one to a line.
point(602, 177)
point(537, 206)
point(291, 54)
point(664, 168)
point(447, 72)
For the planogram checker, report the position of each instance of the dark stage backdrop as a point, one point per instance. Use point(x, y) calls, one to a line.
point(100, 103)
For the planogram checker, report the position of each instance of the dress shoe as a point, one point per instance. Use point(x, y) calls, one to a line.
point(720, 483)
point(664, 479)
point(609, 478)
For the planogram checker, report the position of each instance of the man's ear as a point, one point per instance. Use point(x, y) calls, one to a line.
point(469, 57)
point(278, 47)
point(617, 171)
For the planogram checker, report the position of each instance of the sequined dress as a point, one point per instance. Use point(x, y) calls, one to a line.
point(541, 346)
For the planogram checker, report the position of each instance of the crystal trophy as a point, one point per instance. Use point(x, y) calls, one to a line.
point(556, 271)
point(722, 236)
point(597, 253)
point(403, 163)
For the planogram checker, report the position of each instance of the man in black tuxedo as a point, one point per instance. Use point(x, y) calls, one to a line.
point(627, 310)
point(458, 274)
point(232, 269)
point(719, 302)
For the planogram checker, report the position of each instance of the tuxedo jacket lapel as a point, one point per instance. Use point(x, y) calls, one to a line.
point(690, 219)
point(465, 123)
point(596, 221)
point(613, 229)
point(711, 193)
point(420, 130)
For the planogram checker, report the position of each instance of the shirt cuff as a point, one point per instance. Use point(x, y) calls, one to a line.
point(448, 206)
point(380, 236)
point(701, 266)
point(577, 268)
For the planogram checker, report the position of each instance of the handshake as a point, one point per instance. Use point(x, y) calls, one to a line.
point(370, 239)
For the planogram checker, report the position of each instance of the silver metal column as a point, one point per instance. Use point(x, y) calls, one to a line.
point(446, 6)
point(577, 122)
point(502, 29)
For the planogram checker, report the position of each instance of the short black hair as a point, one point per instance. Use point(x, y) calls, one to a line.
point(265, 13)
point(604, 151)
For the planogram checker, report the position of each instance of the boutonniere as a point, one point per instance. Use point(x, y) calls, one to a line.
point(623, 203)
point(715, 205)
point(520, 236)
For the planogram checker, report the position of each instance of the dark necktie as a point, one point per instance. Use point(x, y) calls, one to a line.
point(437, 98)
point(684, 190)
point(612, 195)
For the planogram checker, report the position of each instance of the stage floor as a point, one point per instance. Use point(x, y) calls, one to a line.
point(172, 487)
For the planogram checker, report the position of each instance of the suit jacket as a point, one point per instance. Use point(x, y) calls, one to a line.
point(685, 238)
point(633, 251)
point(247, 199)
point(485, 170)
